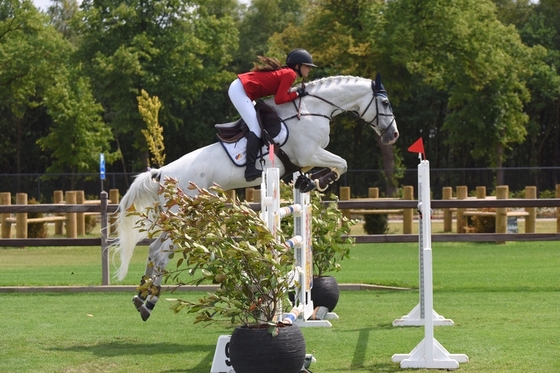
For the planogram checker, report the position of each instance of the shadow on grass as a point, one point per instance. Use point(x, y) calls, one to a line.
point(114, 349)
point(111, 349)
point(358, 362)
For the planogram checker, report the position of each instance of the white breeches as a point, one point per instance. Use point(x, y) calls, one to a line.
point(244, 106)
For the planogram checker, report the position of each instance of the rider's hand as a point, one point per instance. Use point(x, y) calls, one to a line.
point(301, 92)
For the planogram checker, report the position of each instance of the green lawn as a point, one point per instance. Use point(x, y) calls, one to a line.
point(504, 300)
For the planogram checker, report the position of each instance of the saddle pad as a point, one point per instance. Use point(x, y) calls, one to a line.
point(237, 150)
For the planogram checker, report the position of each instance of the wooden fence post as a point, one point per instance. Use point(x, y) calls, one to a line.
point(105, 276)
point(481, 192)
point(114, 198)
point(447, 194)
point(502, 192)
point(344, 195)
point(231, 194)
point(408, 194)
point(249, 194)
point(71, 229)
point(80, 216)
point(21, 217)
point(373, 193)
point(58, 225)
point(257, 196)
point(6, 199)
point(531, 219)
point(462, 193)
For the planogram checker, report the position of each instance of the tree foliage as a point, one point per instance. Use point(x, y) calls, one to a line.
point(462, 48)
point(174, 50)
point(478, 80)
point(77, 123)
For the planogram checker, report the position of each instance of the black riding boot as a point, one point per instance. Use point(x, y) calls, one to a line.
point(253, 146)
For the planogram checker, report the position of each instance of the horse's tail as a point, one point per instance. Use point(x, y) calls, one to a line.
point(143, 193)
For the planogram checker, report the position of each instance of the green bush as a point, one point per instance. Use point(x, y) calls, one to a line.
point(376, 223)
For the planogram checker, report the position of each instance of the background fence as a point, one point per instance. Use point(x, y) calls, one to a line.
point(42, 186)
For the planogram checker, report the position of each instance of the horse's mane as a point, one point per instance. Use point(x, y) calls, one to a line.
point(325, 82)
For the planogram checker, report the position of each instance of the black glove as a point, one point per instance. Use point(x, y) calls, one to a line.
point(301, 92)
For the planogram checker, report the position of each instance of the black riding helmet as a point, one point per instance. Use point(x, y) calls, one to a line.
point(299, 57)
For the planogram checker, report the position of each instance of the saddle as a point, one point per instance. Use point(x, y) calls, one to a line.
point(270, 124)
point(268, 120)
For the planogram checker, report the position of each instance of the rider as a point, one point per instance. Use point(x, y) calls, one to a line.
point(269, 78)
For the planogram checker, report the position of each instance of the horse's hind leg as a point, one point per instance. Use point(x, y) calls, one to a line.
point(150, 285)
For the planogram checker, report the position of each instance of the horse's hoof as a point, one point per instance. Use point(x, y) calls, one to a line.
point(298, 182)
point(140, 307)
point(304, 184)
point(307, 186)
point(138, 302)
point(144, 313)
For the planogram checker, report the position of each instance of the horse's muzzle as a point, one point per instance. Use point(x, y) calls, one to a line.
point(390, 135)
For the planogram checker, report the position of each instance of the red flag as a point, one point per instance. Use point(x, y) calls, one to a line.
point(417, 147)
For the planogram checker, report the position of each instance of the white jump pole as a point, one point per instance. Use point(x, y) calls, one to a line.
point(301, 242)
point(429, 353)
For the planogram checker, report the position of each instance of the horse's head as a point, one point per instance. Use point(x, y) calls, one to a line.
point(382, 119)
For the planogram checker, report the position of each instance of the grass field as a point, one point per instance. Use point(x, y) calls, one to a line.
point(504, 300)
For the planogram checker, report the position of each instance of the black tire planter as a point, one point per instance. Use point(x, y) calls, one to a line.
point(252, 349)
point(325, 292)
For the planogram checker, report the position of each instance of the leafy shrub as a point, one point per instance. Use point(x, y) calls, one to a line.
point(547, 194)
point(329, 228)
point(228, 244)
point(376, 223)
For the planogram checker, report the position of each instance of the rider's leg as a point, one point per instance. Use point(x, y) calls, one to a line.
point(253, 146)
point(246, 109)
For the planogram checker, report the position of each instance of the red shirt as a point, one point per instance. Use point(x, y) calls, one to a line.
point(259, 84)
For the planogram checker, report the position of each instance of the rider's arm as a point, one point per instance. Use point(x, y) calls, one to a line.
point(283, 94)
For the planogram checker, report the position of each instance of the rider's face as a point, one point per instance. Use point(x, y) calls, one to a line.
point(304, 69)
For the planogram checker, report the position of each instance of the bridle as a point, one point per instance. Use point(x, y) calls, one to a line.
point(375, 93)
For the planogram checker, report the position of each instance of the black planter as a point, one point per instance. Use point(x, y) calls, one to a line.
point(325, 292)
point(255, 350)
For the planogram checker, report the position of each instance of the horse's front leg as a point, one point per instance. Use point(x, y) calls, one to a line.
point(150, 285)
point(334, 167)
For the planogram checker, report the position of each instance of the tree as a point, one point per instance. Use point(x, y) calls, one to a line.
point(339, 34)
point(62, 16)
point(31, 53)
point(77, 124)
point(260, 21)
point(175, 50)
point(461, 47)
point(541, 29)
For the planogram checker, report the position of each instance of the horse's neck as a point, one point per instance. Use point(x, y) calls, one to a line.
point(346, 92)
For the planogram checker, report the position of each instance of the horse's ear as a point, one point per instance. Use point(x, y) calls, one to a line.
point(378, 86)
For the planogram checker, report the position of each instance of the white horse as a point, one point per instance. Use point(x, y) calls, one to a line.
point(308, 136)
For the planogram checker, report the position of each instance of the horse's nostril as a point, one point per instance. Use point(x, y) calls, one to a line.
point(396, 134)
